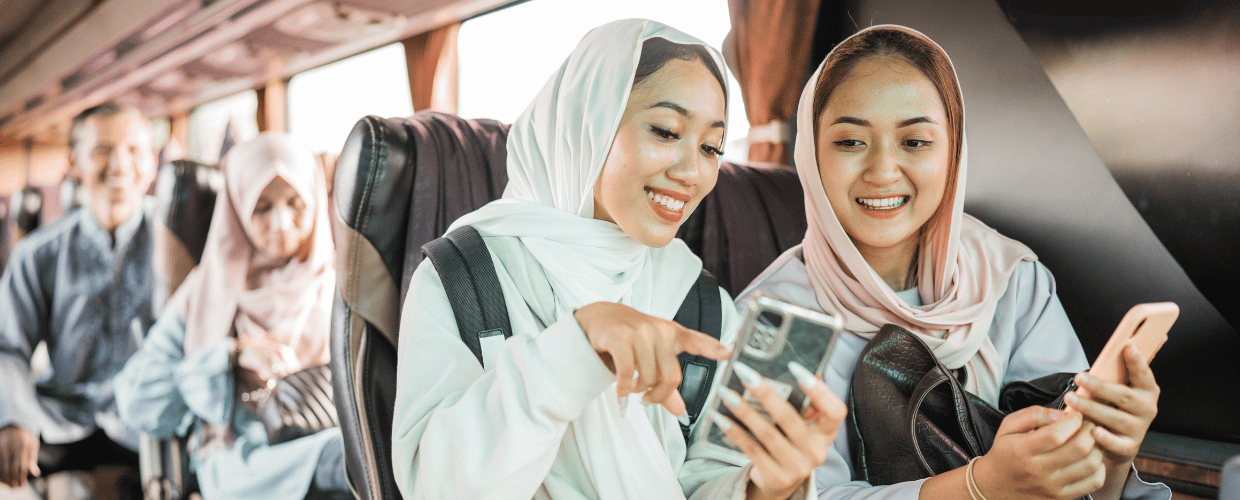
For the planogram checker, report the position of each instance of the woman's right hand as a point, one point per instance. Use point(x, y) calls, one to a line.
point(1041, 453)
point(267, 358)
point(641, 350)
point(784, 452)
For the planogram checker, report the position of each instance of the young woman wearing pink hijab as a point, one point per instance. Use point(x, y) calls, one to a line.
point(882, 156)
point(257, 307)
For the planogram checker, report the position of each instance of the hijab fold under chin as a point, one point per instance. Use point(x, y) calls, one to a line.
point(237, 287)
point(962, 270)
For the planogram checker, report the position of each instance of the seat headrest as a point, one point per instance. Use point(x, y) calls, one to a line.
point(186, 192)
point(401, 181)
point(27, 209)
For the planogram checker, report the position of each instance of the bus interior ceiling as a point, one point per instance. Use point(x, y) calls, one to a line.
point(58, 57)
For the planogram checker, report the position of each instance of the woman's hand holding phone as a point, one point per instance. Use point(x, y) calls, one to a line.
point(1038, 453)
point(1119, 393)
point(1123, 414)
point(641, 350)
point(787, 450)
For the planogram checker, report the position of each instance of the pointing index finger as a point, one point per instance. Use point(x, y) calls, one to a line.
point(701, 344)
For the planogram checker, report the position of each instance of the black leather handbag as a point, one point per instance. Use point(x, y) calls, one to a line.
point(910, 418)
point(298, 405)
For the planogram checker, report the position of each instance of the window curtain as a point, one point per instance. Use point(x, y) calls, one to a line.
point(769, 50)
point(431, 59)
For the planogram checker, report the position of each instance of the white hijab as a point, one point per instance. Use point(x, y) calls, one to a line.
point(556, 151)
point(963, 266)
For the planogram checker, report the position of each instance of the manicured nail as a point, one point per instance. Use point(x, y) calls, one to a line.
point(1071, 397)
point(749, 377)
point(723, 422)
point(1055, 414)
point(730, 397)
point(804, 376)
point(1082, 378)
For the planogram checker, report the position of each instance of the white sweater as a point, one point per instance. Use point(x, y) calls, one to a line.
point(515, 430)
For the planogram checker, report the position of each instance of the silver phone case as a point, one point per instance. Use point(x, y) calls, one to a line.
point(772, 333)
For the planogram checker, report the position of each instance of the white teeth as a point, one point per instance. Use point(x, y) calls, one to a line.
point(666, 201)
point(883, 203)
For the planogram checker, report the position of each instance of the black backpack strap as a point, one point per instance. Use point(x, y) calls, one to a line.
point(468, 275)
point(701, 310)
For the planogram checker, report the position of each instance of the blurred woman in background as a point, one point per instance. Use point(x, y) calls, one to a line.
point(256, 309)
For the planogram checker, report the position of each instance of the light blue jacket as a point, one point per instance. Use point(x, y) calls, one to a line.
point(162, 391)
point(68, 285)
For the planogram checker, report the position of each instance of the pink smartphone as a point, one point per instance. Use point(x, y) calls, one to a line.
point(1145, 326)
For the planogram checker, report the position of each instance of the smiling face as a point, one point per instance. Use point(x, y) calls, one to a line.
point(883, 154)
point(282, 222)
point(112, 155)
point(665, 155)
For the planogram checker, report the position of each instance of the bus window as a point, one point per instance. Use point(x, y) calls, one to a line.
point(324, 103)
point(498, 79)
point(209, 121)
point(161, 130)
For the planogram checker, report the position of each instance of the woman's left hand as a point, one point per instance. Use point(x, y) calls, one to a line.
point(268, 359)
point(788, 450)
point(1122, 413)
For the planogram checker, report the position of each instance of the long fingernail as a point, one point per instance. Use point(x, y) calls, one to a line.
point(804, 376)
point(730, 397)
point(747, 375)
point(723, 422)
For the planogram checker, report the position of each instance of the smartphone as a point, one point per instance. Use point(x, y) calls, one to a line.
point(1146, 326)
point(772, 334)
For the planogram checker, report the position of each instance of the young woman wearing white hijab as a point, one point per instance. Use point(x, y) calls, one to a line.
point(259, 303)
point(611, 157)
point(882, 157)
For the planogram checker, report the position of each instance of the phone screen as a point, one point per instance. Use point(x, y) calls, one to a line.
point(773, 334)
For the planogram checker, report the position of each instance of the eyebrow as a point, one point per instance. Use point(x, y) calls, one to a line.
point(681, 109)
point(866, 123)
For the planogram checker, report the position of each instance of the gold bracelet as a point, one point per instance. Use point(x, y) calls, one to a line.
point(971, 482)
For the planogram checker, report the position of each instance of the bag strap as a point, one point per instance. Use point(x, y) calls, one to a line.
point(936, 376)
point(702, 310)
point(468, 275)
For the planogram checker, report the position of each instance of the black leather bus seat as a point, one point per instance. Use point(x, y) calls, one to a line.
point(754, 214)
point(400, 182)
point(185, 192)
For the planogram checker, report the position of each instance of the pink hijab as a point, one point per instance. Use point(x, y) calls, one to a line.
point(963, 266)
point(290, 300)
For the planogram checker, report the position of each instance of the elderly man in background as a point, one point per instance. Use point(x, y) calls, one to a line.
point(77, 284)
